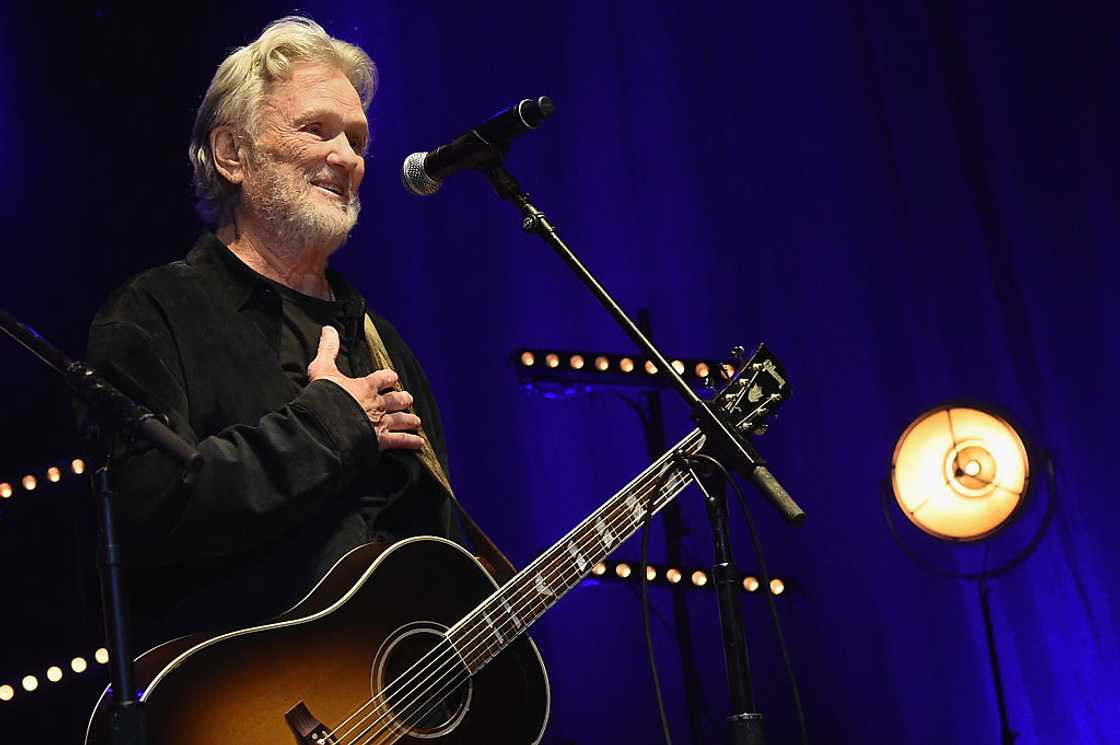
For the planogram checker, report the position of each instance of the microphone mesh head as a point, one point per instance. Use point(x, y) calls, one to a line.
point(415, 179)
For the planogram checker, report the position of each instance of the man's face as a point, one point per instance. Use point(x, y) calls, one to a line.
point(307, 160)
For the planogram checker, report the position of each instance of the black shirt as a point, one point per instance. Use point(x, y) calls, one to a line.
point(293, 477)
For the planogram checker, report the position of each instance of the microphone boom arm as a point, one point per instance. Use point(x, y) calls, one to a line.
point(719, 433)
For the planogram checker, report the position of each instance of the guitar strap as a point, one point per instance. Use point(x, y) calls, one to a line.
point(495, 561)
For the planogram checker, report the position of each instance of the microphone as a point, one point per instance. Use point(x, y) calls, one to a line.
point(423, 173)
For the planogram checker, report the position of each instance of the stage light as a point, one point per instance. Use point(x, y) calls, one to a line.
point(650, 368)
point(777, 586)
point(750, 584)
point(622, 570)
point(673, 575)
point(576, 361)
point(552, 359)
point(602, 364)
point(599, 569)
point(78, 466)
point(101, 655)
point(626, 365)
point(699, 578)
point(5, 490)
point(527, 359)
point(959, 473)
point(78, 664)
point(7, 692)
point(29, 482)
point(651, 573)
point(54, 673)
point(29, 683)
point(702, 370)
point(54, 475)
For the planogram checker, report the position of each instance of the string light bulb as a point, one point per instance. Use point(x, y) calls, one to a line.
point(78, 664)
point(7, 693)
point(101, 655)
point(29, 683)
point(699, 578)
point(651, 572)
point(29, 482)
point(750, 584)
point(602, 364)
point(552, 359)
point(622, 570)
point(599, 569)
point(54, 475)
point(576, 361)
point(527, 359)
point(777, 586)
point(78, 466)
point(5, 490)
point(673, 575)
point(54, 673)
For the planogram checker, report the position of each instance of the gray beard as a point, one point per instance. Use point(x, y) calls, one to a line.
point(288, 212)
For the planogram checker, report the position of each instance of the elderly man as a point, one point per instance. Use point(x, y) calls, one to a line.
point(266, 359)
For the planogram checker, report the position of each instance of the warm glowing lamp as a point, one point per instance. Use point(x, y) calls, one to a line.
point(960, 473)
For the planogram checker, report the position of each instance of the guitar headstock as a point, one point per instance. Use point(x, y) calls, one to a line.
point(752, 389)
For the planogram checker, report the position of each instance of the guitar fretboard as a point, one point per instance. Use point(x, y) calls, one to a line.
point(505, 615)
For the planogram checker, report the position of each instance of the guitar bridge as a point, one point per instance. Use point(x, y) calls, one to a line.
point(307, 729)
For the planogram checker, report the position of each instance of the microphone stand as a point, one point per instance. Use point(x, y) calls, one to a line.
point(721, 438)
point(112, 413)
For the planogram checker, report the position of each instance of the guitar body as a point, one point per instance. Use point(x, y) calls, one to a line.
point(377, 612)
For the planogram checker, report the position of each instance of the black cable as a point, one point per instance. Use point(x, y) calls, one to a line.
point(769, 595)
point(645, 601)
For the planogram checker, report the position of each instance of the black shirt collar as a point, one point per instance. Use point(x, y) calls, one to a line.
point(233, 279)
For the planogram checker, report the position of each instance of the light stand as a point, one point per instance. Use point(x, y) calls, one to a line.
point(950, 458)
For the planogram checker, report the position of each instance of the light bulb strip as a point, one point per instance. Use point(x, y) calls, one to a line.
point(677, 577)
point(54, 474)
point(555, 365)
point(53, 674)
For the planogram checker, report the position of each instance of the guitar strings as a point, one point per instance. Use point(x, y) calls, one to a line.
point(442, 686)
point(616, 517)
point(520, 599)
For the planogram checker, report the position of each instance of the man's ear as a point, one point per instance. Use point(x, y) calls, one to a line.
point(226, 153)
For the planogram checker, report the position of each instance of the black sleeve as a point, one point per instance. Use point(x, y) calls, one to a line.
point(258, 479)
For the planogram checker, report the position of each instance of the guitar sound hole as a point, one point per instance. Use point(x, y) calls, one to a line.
point(428, 693)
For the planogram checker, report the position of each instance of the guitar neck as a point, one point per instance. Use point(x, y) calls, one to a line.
point(506, 614)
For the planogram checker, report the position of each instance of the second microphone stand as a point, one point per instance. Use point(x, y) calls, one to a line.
point(721, 439)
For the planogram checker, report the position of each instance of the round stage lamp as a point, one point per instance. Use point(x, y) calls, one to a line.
point(959, 473)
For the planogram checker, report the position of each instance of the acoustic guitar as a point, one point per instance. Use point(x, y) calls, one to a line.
point(411, 642)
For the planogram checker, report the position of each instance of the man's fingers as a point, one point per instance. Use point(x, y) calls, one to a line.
point(396, 401)
point(399, 441)
point(400, 421)
point(328, 350)
point(382, 379)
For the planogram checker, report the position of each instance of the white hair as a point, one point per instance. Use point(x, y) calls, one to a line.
point(235, 94)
